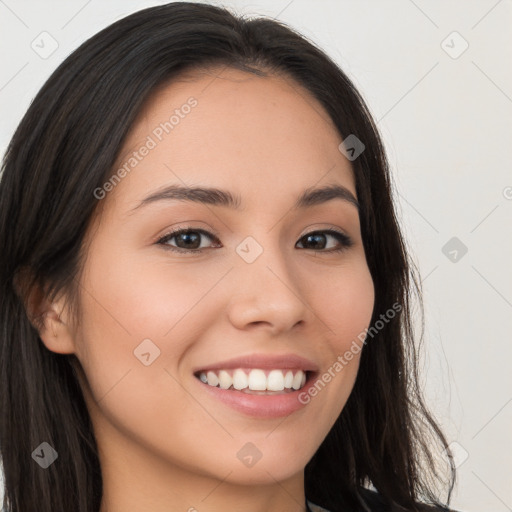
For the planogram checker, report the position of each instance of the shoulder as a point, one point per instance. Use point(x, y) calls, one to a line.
point(376, 503)
point(316, 508)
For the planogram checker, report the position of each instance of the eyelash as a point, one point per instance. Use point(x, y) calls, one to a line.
point(342, 238)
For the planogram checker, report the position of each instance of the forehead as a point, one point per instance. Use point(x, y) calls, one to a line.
point(232, 129)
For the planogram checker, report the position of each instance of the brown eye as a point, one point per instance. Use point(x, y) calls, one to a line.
point(318, 240)
point(187, 240)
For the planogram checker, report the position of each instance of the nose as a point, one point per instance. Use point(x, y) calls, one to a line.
point(268, 295)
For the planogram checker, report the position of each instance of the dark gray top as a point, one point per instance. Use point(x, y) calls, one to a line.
point(376, 503)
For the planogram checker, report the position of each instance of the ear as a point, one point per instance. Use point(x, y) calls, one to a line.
point(49, 318)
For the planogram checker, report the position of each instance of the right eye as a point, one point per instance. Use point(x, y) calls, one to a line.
point(189, 238)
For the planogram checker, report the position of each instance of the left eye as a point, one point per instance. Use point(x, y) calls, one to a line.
point(319, 237)
point(189, 240)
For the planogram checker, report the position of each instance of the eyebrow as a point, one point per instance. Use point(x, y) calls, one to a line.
point(218, 197)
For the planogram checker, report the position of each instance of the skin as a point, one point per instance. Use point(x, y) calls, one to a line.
point(164, 444)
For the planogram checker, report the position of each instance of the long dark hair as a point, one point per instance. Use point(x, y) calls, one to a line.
point(65, 148)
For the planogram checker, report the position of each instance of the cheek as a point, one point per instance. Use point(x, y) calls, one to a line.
point(138, 399)
point(343, 299)
point(152, 316)
point(138, 300)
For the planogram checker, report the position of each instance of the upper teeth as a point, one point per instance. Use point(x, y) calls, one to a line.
point(255, 380)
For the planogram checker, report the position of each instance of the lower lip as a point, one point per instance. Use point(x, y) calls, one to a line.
point(261, 406)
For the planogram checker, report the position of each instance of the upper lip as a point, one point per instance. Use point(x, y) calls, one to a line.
point(261, 361)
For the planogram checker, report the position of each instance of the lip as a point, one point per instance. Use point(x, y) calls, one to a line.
point(263, 362)
point(261, 406)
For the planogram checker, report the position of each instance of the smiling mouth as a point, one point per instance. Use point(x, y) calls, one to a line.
point(255, 381)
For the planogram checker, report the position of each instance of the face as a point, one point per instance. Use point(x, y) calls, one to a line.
point(266, 285)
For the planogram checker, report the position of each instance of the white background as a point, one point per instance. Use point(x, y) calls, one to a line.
point(447, 124)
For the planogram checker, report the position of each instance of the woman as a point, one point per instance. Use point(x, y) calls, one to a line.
point(205, 291)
